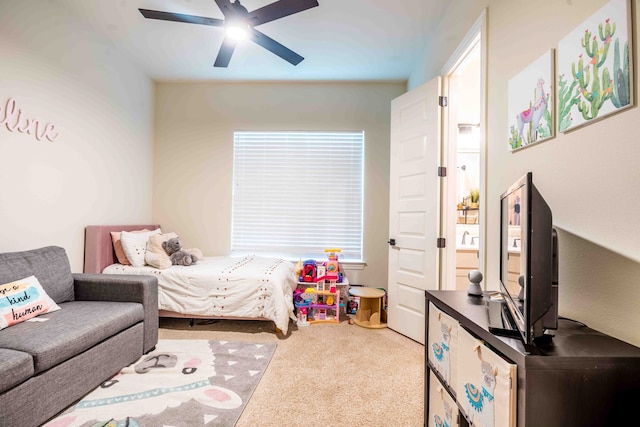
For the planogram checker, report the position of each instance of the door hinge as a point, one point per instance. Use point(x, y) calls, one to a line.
point(441, 242)
point(442, 101)
point(442, 171)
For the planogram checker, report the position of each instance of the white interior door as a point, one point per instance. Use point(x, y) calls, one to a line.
point(414, 207)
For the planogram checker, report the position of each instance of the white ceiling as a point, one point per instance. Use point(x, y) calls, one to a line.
point(340, 39)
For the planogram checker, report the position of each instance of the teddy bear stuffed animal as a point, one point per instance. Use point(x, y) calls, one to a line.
point(173, 247)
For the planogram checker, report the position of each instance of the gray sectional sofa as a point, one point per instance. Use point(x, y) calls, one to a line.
point(104, 324)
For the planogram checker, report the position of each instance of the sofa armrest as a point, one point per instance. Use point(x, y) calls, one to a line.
point(123, 288)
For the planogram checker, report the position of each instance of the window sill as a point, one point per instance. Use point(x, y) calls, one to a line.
point(353, 265)
point(347, 265)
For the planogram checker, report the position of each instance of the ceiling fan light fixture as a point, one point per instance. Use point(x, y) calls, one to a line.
point(236, 25)
point(240, 24)
point(237, 31)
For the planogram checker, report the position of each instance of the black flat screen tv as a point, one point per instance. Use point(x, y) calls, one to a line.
point(528, 264)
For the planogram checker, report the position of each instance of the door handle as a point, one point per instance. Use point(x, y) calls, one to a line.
point(392, 242)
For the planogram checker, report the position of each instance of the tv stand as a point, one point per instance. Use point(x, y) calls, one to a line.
point(575, 377)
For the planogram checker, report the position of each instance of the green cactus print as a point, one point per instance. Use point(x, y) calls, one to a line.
point(544, 129)
point(515, 140)
point(567, 98)
point(621, 93)
point(593, 77)
point(594, 90)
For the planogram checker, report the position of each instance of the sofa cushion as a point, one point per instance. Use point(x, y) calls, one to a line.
point(76, 327)
point(49, 264)
point(15, 366)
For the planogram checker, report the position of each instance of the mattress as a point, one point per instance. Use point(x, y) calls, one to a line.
point(244, 287)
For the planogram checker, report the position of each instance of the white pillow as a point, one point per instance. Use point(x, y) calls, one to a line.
point(156, 256)
point(135, 244)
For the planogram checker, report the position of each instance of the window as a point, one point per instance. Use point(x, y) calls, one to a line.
point(297, 193)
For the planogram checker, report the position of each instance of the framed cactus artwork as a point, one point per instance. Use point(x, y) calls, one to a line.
point(530, 103)
point(594, 67)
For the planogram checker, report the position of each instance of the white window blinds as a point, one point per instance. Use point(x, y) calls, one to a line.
point(297, 193)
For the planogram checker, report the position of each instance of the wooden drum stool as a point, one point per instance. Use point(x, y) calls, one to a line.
point(370, 313)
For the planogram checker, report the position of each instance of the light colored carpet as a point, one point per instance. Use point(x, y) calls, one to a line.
point(324, 374)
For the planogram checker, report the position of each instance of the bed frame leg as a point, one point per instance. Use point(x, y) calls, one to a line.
point(191, 322)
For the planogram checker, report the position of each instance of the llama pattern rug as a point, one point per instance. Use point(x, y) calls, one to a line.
point(180, 383)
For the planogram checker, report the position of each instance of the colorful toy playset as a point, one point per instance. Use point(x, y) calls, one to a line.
point(319, 303)
point(328, 271)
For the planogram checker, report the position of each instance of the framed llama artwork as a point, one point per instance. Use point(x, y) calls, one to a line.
point(530, 103)
point(594, 67)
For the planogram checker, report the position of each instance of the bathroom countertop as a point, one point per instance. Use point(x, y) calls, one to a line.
point(466, 247)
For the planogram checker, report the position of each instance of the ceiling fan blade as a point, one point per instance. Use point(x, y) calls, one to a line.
point(225, 6)
point(179, 17)
point(225, 52)
point(274, 47)
point(278, 10)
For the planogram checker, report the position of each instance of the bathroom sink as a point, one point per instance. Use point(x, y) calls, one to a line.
point(468, 247)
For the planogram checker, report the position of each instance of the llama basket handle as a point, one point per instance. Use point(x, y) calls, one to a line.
point(477, 347)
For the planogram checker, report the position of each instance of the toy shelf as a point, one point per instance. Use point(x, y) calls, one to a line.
point(320, 312)
point(322, 306)
point(318, 285)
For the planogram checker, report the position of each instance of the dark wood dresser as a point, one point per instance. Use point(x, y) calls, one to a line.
point(581, 378)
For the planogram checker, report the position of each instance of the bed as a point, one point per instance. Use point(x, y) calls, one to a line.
point(250, 287)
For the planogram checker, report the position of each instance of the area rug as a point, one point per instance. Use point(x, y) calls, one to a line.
point(180, 383)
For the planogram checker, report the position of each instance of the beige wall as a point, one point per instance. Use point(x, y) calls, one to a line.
point(194, 151)
point(589, 176)
point(99, 168)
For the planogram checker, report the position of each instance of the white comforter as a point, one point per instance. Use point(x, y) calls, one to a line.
point(249, 286)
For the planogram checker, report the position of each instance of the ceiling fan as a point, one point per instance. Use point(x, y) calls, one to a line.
point(240, 23)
